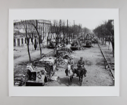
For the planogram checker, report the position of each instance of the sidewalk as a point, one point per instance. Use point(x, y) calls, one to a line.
point(23, 55)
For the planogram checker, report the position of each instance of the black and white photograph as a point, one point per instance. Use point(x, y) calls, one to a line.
point(64, 49)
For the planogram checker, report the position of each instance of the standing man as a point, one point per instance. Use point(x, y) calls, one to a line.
point(35, 43)
point(72, 63)
point(56, 50)
point(81, 63)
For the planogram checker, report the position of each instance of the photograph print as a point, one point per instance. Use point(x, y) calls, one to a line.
point(66, 51)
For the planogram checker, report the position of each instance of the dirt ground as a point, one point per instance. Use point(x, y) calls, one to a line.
point(96, 75)
point(21, 57)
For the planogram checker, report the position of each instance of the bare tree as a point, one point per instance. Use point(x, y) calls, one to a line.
point(39, 33)
point(25, 25)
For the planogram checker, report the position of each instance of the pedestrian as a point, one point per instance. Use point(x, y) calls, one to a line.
point(35, 44)
point(68, 70)
point(72, 63)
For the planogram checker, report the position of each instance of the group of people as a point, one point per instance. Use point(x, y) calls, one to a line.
point(70, 66)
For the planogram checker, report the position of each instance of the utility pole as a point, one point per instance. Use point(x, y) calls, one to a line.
point(60, 25)
point(67, 32)
point(73, 28)
point(43, 28)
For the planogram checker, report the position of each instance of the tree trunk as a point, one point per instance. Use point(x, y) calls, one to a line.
point(28, 52)
point(40, 48)
point(27, 42)
point(39, 42)
point(113, 47)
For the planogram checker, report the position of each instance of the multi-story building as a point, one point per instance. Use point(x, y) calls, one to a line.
point(31, 26)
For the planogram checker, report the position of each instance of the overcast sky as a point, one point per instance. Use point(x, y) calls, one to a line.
point(89, 18)
point(91, 24)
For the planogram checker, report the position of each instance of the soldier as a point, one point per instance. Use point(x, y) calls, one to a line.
point(81, 63)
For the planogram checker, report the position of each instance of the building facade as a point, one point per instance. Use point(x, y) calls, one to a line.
point(33, 28)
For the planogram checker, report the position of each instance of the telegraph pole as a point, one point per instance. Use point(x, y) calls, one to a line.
point(67, 32)
point(74, 22)
point(73, 28)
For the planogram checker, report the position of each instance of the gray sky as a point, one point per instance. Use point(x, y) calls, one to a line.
point(89, 18)
point(90, 24)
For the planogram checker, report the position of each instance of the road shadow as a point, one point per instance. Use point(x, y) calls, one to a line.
point(65, 81)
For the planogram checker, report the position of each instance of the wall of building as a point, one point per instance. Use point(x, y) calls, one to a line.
point(20, 36)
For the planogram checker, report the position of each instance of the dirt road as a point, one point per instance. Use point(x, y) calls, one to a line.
point(96, 73)
point(94, 63)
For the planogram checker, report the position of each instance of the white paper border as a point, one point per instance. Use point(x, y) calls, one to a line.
point(64, 91)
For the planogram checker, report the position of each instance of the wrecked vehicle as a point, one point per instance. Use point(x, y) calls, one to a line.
point(37, 73)
point(33, 76)
point(52, 44)
point(63, 55)
point(88, 43)
point(75, 45)
point(36, 76)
